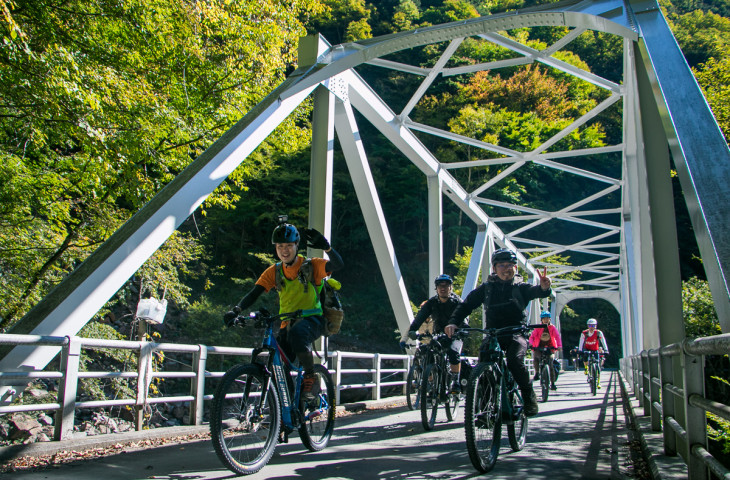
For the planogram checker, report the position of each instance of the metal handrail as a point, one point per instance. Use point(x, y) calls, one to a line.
point(69, 374)
point(669, 384)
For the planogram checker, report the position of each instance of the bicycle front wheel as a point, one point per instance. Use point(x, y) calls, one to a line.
point(318, 415)
point(545, 382)
point(413, 385)
point(483, 417)
point(430, 395)
point(517, 429)
point(593, 373)
point(245, 420)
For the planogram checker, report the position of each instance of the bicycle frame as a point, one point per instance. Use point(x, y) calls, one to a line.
point(507, 382)
point(545, 357)
point(494, 355)
point(594, 357)
point(279, 367)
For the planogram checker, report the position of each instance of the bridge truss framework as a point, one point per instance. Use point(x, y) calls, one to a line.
point(633, 261)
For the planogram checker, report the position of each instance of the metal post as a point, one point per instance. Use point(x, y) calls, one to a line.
point(376, 376)
point(645, 383)
point(143, 366)
point(70, 358)
point(695, 421)
point(405, 375)
point(198, 388)
point(338, 376)
point(668, 401)
point(655, 390)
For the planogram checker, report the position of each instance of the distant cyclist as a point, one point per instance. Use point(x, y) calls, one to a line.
point(545, 337)
point(439, 308)
point(575, 355)
point(592, 340)
point(504, 301)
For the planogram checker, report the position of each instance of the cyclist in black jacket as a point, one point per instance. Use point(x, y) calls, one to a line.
point(504, 302)
point(439, 308)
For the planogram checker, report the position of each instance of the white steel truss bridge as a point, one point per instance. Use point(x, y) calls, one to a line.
point(628, 252)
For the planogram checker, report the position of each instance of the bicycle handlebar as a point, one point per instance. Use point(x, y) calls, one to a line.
point(263, 318)
point(504, 331)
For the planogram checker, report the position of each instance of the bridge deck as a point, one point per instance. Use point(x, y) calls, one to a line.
point(576, 435)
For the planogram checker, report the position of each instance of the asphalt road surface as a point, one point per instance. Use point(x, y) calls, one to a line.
point(575, 435)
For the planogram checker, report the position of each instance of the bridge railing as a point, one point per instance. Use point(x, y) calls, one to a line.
point(669, 383)
point(383, 371)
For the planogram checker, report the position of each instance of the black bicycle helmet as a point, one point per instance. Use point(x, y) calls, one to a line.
point(504, 255)
point(443, 278)
point(285, 233)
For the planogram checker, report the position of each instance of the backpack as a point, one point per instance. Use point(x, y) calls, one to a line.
point(329, 297)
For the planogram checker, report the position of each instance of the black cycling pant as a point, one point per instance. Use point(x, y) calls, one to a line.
point(515, 349)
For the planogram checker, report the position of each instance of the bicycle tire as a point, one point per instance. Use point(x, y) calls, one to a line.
point(594, 379)
point(545, 381)
point(430, 396)
point(517, 429)
point(483, 417)
point(413, 385)
point(452, 406)
point(318, 418)
point(244, 432)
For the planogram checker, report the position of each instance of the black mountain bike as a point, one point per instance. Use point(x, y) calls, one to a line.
point(258, 404)
point(545, 365)
point(415, 373)
point(434, 383)
point(493, 398)
point(593, 359)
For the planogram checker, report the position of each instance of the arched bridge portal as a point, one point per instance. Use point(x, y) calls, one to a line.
point(628, 252)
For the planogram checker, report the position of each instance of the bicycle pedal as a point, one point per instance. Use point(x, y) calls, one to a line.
point(314, 414)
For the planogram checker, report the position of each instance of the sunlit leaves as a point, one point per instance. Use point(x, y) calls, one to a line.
point(698, 309)
point(104, 103)
point(714, 78)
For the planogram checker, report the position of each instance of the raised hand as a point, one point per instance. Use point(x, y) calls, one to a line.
point(545, 281)
point(315, 239)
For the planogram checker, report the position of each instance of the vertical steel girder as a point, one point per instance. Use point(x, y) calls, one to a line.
point(362, 179)
point(698, 148)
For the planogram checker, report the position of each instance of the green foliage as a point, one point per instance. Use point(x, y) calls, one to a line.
point(700, 317)
point(342, 21)
point(105, 103)
point(449, 11)
point(714, 78)
point(702, 36)
point(404, 16)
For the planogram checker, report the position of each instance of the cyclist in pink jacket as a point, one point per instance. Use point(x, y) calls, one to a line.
point(545, 337)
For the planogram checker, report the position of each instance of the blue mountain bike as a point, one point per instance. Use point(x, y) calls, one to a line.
point(258, 404)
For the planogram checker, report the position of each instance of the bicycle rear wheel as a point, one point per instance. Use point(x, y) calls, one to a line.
point(483, 417)
point(545, 381)
point(413, 385)
point(244, 429)
point(517, 429)
point(318, 415)
point(593, 374)
point(430, 395)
